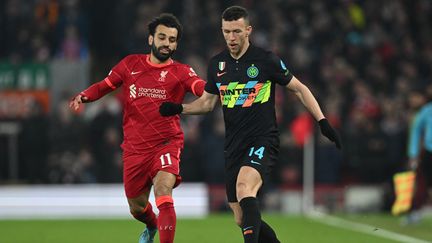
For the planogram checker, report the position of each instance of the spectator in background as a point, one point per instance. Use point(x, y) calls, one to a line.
point(105, 136)
point(69, 160)
point(72, 46)
point(34, 145)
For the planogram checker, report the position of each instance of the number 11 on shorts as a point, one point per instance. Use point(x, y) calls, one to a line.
point(165, 162)
point(258, 152)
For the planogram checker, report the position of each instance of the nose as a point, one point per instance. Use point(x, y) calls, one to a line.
point(231, 36)
point(165, 42)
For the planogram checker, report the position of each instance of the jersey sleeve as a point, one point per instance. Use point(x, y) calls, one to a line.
point(192, 82)
point(117, 74)
point(110, 83)
point(278, 71)
point(211, 86)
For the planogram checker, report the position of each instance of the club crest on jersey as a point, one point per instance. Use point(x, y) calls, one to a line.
point(252, 71)
point(162, 76)
point(221, 66)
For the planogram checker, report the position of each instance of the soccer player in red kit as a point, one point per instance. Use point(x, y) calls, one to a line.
point(152, 143)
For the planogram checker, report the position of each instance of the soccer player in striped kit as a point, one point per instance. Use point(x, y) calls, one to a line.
point(243, 78)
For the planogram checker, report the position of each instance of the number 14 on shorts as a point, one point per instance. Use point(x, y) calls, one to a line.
point(259, 152)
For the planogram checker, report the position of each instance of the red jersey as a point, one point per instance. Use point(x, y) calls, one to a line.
point(145, 86)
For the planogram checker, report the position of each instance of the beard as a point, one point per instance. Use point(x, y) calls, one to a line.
point(161, 56)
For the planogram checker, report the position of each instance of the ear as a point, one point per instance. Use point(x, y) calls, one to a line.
point(248, 30)
point(150, 40)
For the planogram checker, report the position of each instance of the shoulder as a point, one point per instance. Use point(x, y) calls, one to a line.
point(180, 67)
point(177, 64)
point(183, 69)
point(263, 55)
point(221, 56)
point(261, 52)
point(132, 58)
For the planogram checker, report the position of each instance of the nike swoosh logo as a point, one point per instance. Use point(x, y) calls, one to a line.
point(254, 162)
point(250, 227)
point(133, 73)
point(220, 74)
point(164, 166)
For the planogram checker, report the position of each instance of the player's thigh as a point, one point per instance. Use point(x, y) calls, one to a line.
point(249, 182)
point(231, 174)
point(166, 166)
point(136, 174)
point(238, 213)
point(259, 158)
point(261, 154)
point(163, 183)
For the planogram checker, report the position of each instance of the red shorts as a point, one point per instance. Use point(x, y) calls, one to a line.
point(140, 169)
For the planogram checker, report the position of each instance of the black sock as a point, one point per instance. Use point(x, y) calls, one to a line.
point(267, 234)
point(251, 222)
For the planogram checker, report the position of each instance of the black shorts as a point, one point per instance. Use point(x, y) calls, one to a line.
point(260, 154)
point(426, 167)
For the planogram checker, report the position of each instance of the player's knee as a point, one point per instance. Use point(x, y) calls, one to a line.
point(243, 190)
point(136, 209)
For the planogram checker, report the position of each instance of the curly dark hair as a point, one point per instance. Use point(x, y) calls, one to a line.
point(167, 19)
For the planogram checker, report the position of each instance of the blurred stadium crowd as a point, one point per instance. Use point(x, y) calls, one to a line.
point(364, 60)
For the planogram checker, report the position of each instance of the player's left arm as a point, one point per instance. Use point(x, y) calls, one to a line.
point(309, 101)
point(306, 97)
point(202, 105)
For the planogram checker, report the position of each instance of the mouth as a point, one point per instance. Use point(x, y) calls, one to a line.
point(232, 45)
point(164, 50)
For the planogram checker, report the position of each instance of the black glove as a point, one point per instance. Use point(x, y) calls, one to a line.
point(329, 132)
point(170, 109)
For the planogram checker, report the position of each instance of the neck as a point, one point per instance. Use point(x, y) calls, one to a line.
point(243, 51)
point(154, 60)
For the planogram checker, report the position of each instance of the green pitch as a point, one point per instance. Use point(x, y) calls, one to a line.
point(213, 229)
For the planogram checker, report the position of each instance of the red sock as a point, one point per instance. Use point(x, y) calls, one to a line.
point(147, 216)
point(166, 219)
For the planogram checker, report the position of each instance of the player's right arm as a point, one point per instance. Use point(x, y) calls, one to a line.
point(96, 91)
point(202, 105)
